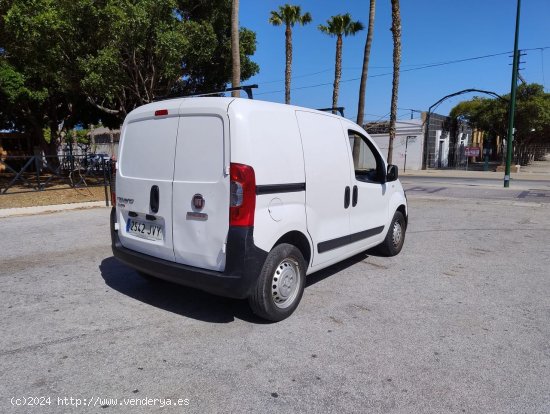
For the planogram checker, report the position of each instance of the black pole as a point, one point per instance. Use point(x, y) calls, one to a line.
point(105, 182)
point(405, 160)
point(510, 139)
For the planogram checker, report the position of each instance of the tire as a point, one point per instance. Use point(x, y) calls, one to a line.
point(280, 285)
point(393, 243)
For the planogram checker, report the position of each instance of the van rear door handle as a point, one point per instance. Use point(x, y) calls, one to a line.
point(346, 197)
point(355, 196)
point(154, 199)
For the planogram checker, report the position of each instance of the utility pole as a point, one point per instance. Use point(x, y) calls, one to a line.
point(511, 113)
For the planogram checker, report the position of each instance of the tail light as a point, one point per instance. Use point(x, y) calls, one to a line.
point(242, 195)
point(113, 181)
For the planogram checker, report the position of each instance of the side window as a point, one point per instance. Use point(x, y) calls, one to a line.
point(366, 161)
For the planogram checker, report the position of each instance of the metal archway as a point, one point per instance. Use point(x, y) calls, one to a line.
point(431, 108)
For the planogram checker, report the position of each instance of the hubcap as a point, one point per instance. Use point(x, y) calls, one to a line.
point(285, 282)
point(397, 234)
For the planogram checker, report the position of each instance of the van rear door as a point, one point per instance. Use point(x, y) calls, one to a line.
point(201, 188)
point(144, 180)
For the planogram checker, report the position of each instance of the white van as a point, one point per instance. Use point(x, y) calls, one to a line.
point(244, 198)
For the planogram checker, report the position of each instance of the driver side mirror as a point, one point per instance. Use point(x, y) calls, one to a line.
point(392, 173)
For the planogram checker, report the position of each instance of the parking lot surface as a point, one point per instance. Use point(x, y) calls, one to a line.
point(458, 322)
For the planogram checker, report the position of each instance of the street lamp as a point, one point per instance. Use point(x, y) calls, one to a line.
point(511, 113)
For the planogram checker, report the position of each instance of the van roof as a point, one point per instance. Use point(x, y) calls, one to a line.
point(222, 103)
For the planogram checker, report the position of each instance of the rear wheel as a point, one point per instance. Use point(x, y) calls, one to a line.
point(393, 243)
point(280, 285)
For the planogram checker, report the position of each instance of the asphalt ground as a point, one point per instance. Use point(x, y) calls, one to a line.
point(520, 191)
point(458, 322)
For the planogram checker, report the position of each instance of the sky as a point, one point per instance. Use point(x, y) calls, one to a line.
point(433, 31)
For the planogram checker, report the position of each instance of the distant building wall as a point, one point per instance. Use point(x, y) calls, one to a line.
point(437, 151)
point(104, 140)
point(407, 146)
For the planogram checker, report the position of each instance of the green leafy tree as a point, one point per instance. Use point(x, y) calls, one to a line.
point(149, 49)
point(64, 63)
point(39, 46)
point(339, 26)
point(532, 120)
point(289, 16)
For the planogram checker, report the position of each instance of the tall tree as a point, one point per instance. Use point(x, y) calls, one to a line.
point(289, 15)
point(365, 71)
point(235, 51)
point(339, 26)
point(396, 33)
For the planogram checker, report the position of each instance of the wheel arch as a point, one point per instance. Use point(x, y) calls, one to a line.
point(403, 210)
point(398, 202)
point(298, 239)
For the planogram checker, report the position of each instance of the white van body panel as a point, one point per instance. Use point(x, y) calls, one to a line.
point(147, 150)
point(201, 169)
point(277, 215)
point(371, 211)
point(327, 166)
point(397, 199)
point(266, 136)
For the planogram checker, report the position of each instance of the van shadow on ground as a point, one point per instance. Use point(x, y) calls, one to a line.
point(193, 303)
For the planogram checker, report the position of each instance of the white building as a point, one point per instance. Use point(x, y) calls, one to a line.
point(408, 143)
point(445, 142)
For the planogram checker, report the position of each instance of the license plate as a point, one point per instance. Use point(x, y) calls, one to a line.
point(145, 230)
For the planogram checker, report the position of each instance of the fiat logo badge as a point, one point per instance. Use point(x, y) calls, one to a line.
point(198, 201)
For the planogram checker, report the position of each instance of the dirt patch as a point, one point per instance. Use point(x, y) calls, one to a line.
point(52, 196)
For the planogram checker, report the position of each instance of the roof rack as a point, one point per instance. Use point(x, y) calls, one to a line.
point(339, 109)
point(246, 88)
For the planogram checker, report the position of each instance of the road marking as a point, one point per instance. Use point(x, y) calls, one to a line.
point(525, 194)
point(427, 190)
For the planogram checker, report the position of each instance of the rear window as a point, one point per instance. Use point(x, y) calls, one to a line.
point(148, 149)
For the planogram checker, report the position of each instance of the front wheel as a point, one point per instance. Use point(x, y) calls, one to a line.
point(393, 243)
point(280, 285)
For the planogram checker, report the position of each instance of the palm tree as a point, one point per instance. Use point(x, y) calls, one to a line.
point(396, 32)
point(340, 25)
point(364, 73)
point(235, 51)
point(289, 15)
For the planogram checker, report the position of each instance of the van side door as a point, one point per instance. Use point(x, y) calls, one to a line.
point(328, 184)
point(370, 193)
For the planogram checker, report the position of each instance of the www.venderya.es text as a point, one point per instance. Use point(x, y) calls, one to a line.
point(95, 401)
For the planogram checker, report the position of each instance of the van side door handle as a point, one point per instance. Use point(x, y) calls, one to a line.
point(355, 196)
point(346, 197)
point(154, 199)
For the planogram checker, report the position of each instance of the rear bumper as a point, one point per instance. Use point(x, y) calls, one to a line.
point(244, 262)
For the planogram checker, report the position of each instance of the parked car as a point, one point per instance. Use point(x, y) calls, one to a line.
point(244, 198)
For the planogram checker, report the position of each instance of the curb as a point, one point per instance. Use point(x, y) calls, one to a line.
point(489, 175)
point(29, 211)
